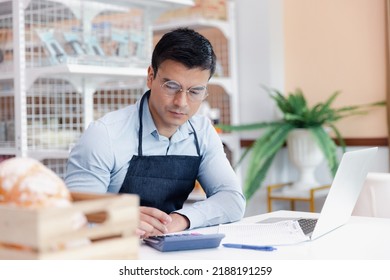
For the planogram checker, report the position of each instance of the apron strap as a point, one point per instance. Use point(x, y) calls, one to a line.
point(196, 139)
point(141, 110)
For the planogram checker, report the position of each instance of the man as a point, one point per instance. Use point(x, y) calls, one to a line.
point(158, 147)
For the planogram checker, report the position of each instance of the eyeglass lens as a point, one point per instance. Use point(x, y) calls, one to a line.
point(196, 93)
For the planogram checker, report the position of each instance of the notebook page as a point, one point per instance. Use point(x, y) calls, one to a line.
point(281, 233)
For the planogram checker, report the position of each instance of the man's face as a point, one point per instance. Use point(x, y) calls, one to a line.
point(171, 111)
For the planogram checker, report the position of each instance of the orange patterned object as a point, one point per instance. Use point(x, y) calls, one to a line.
point(26, 182)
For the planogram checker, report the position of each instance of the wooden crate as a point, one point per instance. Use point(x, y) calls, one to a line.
point(111, 229)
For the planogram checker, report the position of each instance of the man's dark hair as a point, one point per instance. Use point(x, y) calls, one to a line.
point(186, 46)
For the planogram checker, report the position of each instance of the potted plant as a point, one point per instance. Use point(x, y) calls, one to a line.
point(318, 120)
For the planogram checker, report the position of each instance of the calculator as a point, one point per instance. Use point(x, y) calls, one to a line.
point(184, 241)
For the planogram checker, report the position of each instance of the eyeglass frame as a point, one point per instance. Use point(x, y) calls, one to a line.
point(180, 89)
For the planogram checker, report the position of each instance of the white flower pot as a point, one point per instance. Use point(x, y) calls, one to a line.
point(306, 155)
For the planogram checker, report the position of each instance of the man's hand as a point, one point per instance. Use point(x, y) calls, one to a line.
point(179, 223)
point(156, 222)
point(152, 222)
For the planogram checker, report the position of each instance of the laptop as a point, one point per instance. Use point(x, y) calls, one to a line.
point(342, 196)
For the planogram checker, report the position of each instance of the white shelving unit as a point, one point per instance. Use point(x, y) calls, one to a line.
point(66, 63)
point(223, 87)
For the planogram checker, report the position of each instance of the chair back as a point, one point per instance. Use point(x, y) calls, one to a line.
point(374, 200)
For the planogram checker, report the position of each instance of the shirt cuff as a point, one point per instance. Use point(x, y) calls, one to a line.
point(194, 216)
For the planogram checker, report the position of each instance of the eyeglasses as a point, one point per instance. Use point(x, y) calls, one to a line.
point(195, 93)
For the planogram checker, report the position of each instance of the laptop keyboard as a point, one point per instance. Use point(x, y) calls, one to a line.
point(307, 225)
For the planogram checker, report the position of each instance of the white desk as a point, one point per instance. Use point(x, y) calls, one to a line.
point(361, 238)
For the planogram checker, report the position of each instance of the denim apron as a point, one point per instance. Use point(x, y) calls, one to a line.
point(163, 182)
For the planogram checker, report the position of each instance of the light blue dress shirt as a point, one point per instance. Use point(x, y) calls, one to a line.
point(100, 159)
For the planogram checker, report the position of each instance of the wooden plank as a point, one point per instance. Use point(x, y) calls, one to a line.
point(12, 218)
point(112, 221)
point(115, 248)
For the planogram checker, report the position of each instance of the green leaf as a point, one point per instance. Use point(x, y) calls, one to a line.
point(264, 150)
point(327, 146)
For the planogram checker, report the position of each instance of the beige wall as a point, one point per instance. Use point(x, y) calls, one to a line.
point(339, 45)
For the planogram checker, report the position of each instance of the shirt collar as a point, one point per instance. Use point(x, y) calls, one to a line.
point(183, 132)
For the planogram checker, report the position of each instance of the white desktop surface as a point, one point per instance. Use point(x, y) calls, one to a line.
point(363, 238)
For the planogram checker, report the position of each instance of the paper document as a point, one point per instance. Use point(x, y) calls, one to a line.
point(281, 233)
